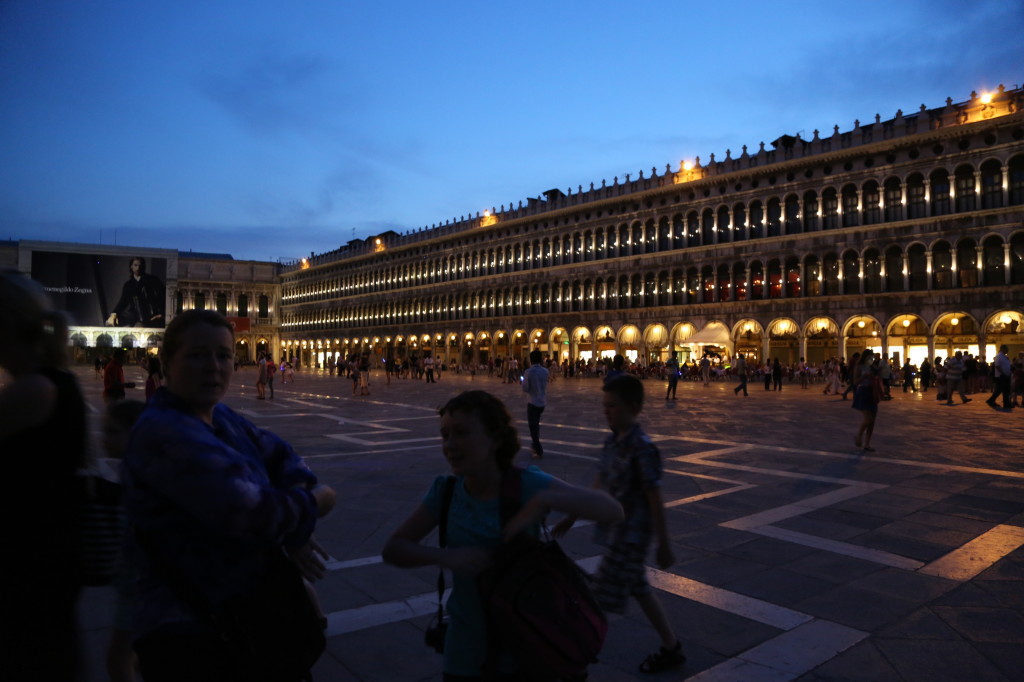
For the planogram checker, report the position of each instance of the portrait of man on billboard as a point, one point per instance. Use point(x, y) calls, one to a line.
point(142, 299)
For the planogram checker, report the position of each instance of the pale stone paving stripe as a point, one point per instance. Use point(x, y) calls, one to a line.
point(977, 555)
point(786, 656)
point(877, 556)
point(788, 511)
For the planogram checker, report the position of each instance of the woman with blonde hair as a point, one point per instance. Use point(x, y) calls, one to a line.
point(43, 441)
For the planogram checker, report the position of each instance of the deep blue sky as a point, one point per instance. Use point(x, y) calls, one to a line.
point(272, 129)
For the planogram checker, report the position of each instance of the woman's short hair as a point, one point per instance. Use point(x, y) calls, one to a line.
point(175, 332)
point(495, 418)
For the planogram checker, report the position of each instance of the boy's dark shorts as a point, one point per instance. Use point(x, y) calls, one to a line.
point(621, 575)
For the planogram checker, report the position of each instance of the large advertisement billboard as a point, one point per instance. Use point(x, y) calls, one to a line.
point(99, 290)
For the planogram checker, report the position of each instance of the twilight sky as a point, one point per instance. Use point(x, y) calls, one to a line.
point(272, 129)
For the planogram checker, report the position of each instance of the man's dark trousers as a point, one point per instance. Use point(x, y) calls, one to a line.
point(533, 414)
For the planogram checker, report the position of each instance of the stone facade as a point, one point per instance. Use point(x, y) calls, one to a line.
point(904, 235)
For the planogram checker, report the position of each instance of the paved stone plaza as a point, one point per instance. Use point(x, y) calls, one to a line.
point(798, 556)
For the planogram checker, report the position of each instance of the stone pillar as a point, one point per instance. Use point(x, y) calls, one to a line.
point(979, 266)
point(801, 272)
point(1006, 263)
point(803, 346)
point(860, 275)
point(906, 272)
point(928, 268)
point(749, 285)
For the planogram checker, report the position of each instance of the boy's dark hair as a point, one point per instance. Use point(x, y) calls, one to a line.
point(535, 357)
point(628, 388)
point(496, 420)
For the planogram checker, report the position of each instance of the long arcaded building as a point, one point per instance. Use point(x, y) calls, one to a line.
point(905, 235)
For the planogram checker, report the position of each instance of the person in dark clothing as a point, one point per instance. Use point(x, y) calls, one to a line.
point(43, 438)
point(142, 299)
point(776, 375)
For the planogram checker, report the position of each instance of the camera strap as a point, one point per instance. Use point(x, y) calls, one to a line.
point(442, 539)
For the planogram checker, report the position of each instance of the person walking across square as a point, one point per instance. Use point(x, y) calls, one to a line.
point(535, 383)
point(630, 470)
point(1002, 373)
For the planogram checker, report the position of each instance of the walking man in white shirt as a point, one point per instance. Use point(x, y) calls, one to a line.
point(535, 383)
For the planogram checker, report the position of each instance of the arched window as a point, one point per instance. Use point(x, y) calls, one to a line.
point(774, 279)
point(678, 232)
point(871, 199)
point(650, 290)
point(707, 275)
point(707, 227)
point(692, 229)
point(967, 263)
point(724, 284)
point(991, 184)
point(774, 217)
point(664, 235)
point(917, 262)
point(692, 285)
point(199, 301)
point(939, 181)
point(966, 192)
point(739, 223)
point(810, 216)
point(851, 273)
point(894, 268)
point(851, 208)
point(1015, 170)
point(264, 306)
point(724, 228)
point(756, 281)
point(791, 277)
point(179, 303)
point(893, 200)
point(1017, 258)
point(812, 276)
point(830, 209)
point(221, 303)
point(942, 266)
point(678, 287)
point(830, 271)
point(792, 212)
point(756, 220)
point(872, 272)
point(739, 282)
point(994, 273)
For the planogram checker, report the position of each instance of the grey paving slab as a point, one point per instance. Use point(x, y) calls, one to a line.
point(939, 490)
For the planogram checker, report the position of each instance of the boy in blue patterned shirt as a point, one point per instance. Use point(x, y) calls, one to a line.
point(630, 471)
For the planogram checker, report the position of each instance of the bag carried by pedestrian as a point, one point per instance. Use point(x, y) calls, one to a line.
point(538, 602)
point(271, 633)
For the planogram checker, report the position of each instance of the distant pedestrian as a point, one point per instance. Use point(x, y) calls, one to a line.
point(535, 383)
point(867, 393)
point(776, 375)
point(741, 374)
point(672, 373)
point(271, 371)
point(261, 377)
point(1002, 372)
point(955, 378)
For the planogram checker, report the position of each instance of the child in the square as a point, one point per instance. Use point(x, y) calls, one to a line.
point(630, 471)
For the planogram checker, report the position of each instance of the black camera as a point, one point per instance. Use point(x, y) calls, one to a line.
point(434, 637)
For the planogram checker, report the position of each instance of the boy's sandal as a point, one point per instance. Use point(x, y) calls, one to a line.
point(664, 659)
